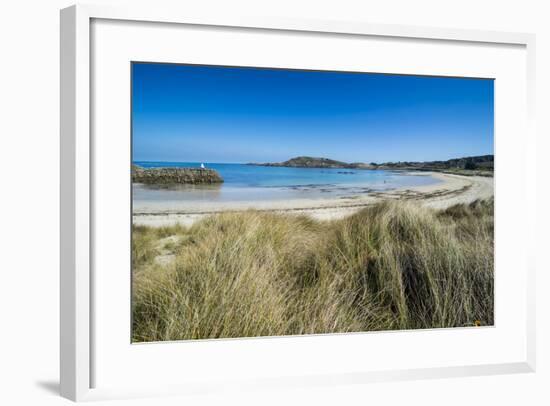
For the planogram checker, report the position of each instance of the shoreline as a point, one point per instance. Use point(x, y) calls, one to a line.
point(452, 189)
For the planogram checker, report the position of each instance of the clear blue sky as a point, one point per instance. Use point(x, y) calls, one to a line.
point(225, 114)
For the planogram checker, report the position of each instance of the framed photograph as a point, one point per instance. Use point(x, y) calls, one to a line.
point(267, 203)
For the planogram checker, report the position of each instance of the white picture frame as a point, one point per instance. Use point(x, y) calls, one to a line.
point(76, 187)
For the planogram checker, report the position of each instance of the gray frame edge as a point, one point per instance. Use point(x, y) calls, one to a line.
point(530, 42)
point(74, 211)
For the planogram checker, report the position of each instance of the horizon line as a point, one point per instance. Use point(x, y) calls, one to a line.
point(300, 156)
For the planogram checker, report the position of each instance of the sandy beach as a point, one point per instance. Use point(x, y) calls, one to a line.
point(451, 189)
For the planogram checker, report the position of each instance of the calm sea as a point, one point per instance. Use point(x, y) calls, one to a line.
point(247, 182)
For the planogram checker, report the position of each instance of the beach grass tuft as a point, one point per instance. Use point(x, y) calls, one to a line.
point(392, 265)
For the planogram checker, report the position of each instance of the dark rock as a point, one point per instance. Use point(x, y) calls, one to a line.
point(193, 176)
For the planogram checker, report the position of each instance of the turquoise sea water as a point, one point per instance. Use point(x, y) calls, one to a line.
point(249, 183)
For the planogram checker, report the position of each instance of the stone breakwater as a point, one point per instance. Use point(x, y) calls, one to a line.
point(192, 176)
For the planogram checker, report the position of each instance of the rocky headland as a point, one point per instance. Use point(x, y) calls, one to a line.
point(473, 166)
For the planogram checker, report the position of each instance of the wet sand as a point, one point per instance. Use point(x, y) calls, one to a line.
point(452, 189)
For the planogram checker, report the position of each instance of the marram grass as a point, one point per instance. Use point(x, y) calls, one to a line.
point(393, 265)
